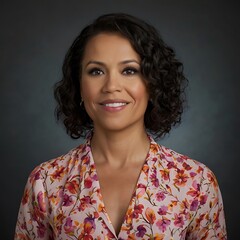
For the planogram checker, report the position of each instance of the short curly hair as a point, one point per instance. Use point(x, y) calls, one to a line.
point(162, 72)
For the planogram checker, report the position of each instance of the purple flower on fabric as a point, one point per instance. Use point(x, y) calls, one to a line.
point(41, 229)
point(178, 220)
point(154, 179)
point(137, 210)
point(170, 165)
point(194, 205)
point(162, 210)
point(160, 196)
point(193, 174)
point(163, 224)
point(89, 225)
point(67, 200)
point(41, 202)
point(68, 227)
point(141, 230)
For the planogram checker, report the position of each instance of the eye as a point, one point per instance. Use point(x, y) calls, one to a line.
point(95, 72)
point(130, 71)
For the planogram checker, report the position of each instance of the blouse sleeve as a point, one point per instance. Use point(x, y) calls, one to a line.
point(32, 222)
point(209, 220)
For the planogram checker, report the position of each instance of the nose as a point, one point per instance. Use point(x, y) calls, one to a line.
point(112, 83)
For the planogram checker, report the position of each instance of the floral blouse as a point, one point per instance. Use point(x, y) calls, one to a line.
point(175, 198)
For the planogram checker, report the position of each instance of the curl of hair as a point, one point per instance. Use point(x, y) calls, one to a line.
point(162, 72)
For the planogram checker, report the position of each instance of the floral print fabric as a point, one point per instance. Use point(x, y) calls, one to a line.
point(175, 198)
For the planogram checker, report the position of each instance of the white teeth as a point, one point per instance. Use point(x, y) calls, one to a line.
point(115, 104)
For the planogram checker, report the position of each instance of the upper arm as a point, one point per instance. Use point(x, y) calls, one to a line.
point(208, 221)
point(32, 222)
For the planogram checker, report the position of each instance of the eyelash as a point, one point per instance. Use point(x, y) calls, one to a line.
point(130, 71)
point(95, 72)
point(126, 71)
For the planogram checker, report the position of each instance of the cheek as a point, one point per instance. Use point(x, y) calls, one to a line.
point(86, 90)
point(139, 92)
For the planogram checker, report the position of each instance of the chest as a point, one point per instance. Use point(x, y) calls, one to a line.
point(117, 188)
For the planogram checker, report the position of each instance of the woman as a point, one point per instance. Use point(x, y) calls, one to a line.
point(120, 84)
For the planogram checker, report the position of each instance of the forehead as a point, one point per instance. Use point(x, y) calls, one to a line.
point(108, 46)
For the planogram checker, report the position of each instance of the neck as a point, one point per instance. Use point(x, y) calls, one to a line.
point(118, 149)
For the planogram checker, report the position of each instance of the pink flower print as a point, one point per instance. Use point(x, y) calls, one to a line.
point(88, 182)
point(94, 177)
point(84, 203)
point(203, 199)
point(137, 210)
point(68, 227)
point(178, 220)
point(41, 229)
point(160, 196)
point(180, 159)
point(154, 178)
point(194, 190)
point(141, 189)
point(35, 175)
point(193, 174)
point(163, 224)
point(141, 230)
point(24, 225)
point(163, 210)
point(187, 167)
point(170, 165)
point(67, 200)
point(194, 205)
point(41, 202)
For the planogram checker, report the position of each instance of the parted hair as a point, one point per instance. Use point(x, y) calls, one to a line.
point(161, 70)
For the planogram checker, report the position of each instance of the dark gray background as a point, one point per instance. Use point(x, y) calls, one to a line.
point(34, 37)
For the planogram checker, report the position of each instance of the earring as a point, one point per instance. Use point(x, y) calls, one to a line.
point(81, 103)
point(151, 101)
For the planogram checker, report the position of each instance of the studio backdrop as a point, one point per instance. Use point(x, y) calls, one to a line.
point(34, 38)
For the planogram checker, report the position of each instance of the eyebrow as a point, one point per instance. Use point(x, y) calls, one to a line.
point(103, 64)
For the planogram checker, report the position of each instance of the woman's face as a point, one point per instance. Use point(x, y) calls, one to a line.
point(112, 87)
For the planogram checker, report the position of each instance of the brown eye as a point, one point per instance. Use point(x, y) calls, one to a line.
point(130, 71)
point(95, 72)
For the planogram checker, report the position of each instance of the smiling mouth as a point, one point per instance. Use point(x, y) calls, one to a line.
point(118, 104)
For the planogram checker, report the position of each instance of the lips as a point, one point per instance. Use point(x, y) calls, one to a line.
point(116, 104)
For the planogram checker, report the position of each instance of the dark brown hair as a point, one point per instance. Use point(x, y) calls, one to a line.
point(161, 70)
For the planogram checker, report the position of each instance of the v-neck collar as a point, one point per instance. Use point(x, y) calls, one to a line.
point(141, 181)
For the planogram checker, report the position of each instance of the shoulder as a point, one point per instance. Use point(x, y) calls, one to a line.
point(182, 162)
point(58, 169)
point(180, 170)
point(178, 160)
point(169, 158)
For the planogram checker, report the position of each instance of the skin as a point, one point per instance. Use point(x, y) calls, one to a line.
point(115, 97)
